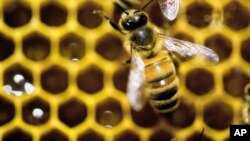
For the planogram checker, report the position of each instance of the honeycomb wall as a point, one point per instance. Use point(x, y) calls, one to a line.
point(63, 77)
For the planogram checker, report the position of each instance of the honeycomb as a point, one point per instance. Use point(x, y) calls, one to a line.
point(54, 86)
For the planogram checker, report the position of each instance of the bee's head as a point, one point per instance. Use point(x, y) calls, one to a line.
point(133, 19)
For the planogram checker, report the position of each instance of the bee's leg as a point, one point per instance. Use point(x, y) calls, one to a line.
point(112, 23)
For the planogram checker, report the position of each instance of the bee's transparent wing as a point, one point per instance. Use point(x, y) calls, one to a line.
point(185, 50)
point(169, 8)
point(136, 78)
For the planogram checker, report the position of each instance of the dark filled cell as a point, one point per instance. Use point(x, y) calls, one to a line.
point(86, 17)
point(90, 135)
point(54, 80)
point(183, 116)
point(36, 47)
point(140, 119)
point(221, 45)
point(17, 135)
point(16, 14)
point(127, 136)
point(199, 81)
point(199, 14)
point(236, 16)
point(161, 135)
point(218, 115)
point(234, 82)
point(245, 50)
point(110, 47)
point(91, 80)
point(54, 135)
point(53, 14)
point(7, 47)
point(36, 111)
point(7, 111)
point(72, 47)
point(72, 112)
point(120, 79)
point(109, 113)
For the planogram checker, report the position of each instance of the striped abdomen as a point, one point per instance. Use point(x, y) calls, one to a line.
point(162, 83)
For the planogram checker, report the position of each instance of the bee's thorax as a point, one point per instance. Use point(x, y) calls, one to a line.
point(143, 38)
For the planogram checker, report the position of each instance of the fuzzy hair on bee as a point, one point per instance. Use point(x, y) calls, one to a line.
point(152, 76)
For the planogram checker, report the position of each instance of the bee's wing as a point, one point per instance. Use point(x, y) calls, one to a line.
point(169, 8)
point(136, 78)
point(185, 50)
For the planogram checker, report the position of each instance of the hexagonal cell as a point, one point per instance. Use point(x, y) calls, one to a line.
point(36, 46)
point(18, 80)
point(245, 50)
point(109, 113)
point(197, 135)
point(199, 14)
point(86, 17)
point(127, 135)
point(36, 111)
point(234, 82)
point(90, 135)
point(54, 79)
point(90, 80)
point(7, 111)
point(7, 47)
point(236, 16)
point(16, 13)
point(53, 14)
point(110, 47)
point(218, 115)
point(221, 45)
point(120, 78)
point(72, 112)
point(54, 135)
point(140, 119)
point(199, 81)
point(72, 47)
point(183, 116)
point(161, 135)
point(17, 135)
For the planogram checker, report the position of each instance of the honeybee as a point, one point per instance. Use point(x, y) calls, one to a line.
point(152, 73)
point(246, 105)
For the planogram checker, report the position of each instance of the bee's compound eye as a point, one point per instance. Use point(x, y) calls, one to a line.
point(143, 19)
point(128, 24)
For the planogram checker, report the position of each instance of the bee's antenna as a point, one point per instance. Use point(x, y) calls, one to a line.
point(101, 13)
point(120, 7)
point(112, 23)
point(146, 5)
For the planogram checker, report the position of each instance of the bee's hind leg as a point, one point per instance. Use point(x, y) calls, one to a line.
point(112, 23)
